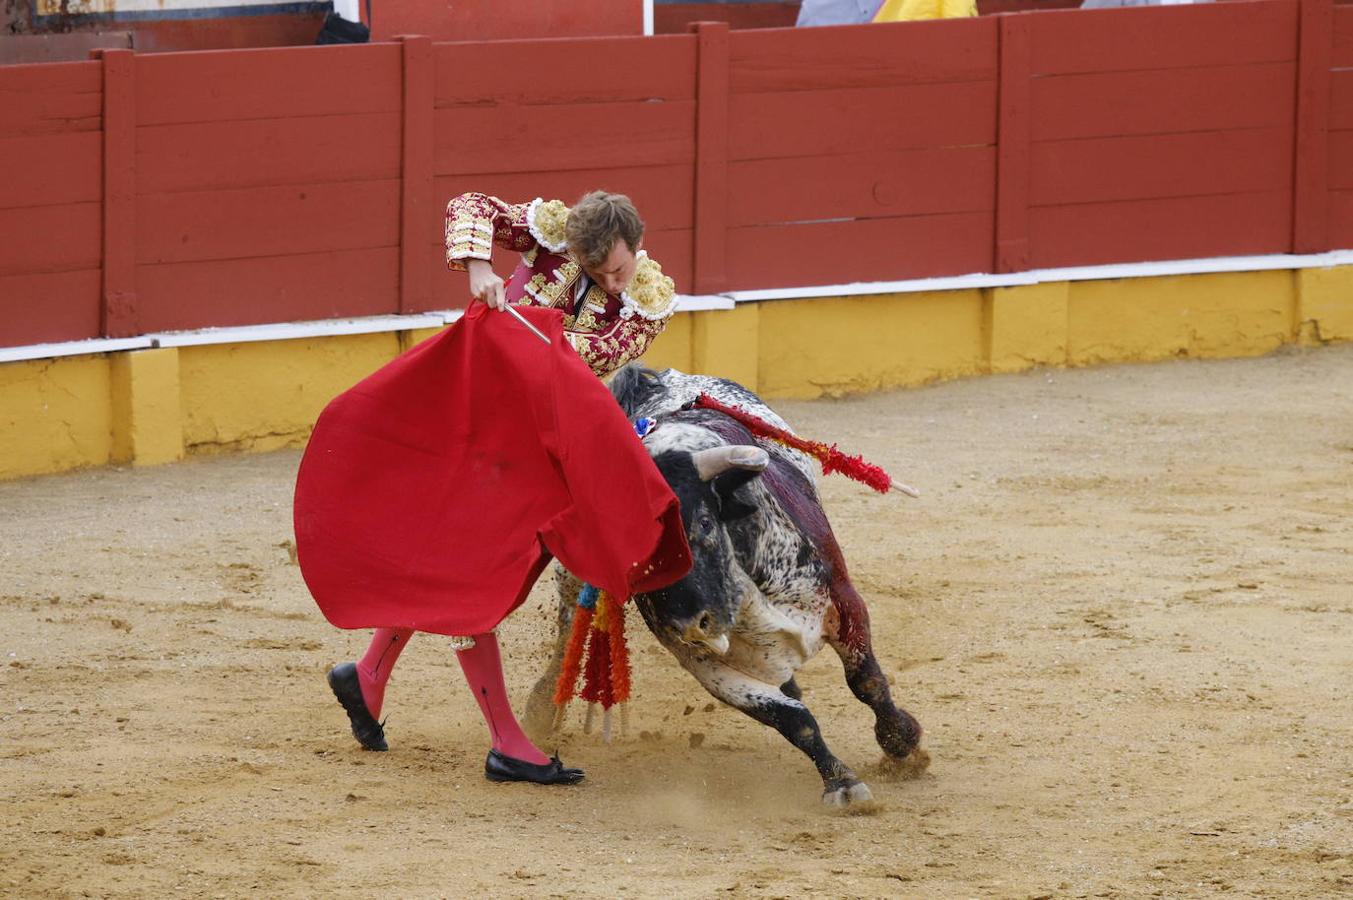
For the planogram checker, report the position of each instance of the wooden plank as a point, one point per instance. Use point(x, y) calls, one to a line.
point(1341, 161)
point(272, 221)
point(862, 185)
point(1165, 165)
point(1010, 252)
point(1164, 37)
point(664, 195)
point(273, 83)
point(51, 98)
point(1118, 103)
point(51, 238)
point(119, 193)
point(576, 70)
point(49, 307)
point(1341, 219)
point(1341, 99)
point(261, 152)
point(218, 293)
point(52, 169)
point(829, 123)
point(1342, 56)
point(763, 256)
point(1176, 228)
point(511, 138)
point(1310, 192)
point(863, 56)
point(711, 158)
point(416, 181)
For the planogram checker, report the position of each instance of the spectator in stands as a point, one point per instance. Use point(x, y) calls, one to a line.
point(855, 12)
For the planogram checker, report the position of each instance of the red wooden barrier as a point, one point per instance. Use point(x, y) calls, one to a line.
point(119, 315)
point(862, 153)
point(1013, 156)
point(524, 119)
point(710, 263)
point(415, 289)
point(237, 187)
point(1341, 130)
point(50, 209)
point(1190, 157)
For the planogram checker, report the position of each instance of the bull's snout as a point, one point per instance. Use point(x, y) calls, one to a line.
point(704, 630)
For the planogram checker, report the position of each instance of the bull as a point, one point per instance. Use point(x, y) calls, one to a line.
point(768, 585)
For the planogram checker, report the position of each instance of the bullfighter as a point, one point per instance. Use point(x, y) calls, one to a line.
point(589, 263)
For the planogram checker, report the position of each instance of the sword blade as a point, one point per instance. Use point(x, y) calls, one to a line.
point(522, 319)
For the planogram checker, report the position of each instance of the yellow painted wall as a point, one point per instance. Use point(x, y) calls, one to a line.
point(672, 348)
point(151, 406)
point(1325, 304)
point(1025, 326)
point(267, 394)
point(54, 415)
point(1131, 319)
point(836, 346)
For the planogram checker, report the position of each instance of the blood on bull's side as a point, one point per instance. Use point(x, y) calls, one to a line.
point(768, 585)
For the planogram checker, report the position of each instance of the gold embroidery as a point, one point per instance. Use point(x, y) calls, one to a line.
point(626, 341)
point(546, 221)
point(546, 290)
point(651, 294)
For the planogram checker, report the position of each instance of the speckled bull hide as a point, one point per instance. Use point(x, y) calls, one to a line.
point(768, 585)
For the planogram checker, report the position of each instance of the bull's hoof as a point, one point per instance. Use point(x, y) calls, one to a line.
point(541, 720)
point(902, 768)
point(855, 797)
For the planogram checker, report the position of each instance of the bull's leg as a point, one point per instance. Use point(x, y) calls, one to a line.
point(791, 689)
point(897, 731)
point(539, 721)
point(769, 706)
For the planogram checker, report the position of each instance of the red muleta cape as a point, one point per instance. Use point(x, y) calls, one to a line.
point(432, 493)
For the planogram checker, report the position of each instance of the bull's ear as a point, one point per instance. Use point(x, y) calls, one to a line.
point(726, 488)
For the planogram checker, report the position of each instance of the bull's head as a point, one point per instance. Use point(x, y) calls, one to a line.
point(700, 608)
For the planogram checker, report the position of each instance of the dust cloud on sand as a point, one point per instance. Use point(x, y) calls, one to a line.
point(1123, 611)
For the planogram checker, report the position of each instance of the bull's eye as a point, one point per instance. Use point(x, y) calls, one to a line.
point(706, 524)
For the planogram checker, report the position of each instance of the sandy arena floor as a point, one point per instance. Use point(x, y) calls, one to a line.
point(1123, 610)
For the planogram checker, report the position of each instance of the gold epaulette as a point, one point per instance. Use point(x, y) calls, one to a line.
point(651, 294)
point(545, 219)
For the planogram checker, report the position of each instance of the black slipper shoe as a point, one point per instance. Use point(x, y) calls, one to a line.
point(343, 682)
point(504, 768)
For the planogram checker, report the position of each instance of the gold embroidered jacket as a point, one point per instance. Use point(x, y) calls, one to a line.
point(606, 330)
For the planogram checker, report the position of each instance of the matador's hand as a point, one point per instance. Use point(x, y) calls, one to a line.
point(485, 284)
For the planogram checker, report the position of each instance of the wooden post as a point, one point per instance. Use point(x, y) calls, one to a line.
point(1310, 179)
point(117, 308)
point(710, 239)
point(1013, 153)
point(415, 262)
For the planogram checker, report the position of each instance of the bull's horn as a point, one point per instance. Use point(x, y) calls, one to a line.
point(718, 644)
point(711, 463)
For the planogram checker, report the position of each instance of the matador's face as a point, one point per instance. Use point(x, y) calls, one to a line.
point(616, 271)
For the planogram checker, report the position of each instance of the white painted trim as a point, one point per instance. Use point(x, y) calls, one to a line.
point(1040, 276)
point(293, 330)
point(699, 302)
point(72, 348)
point(952, 283)
point(692, 302)
point(648, 17)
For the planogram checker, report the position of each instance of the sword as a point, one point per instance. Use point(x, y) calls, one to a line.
point(522, 319)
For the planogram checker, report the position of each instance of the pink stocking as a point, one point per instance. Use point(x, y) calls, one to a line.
point(373, 670)
point(483, 668)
